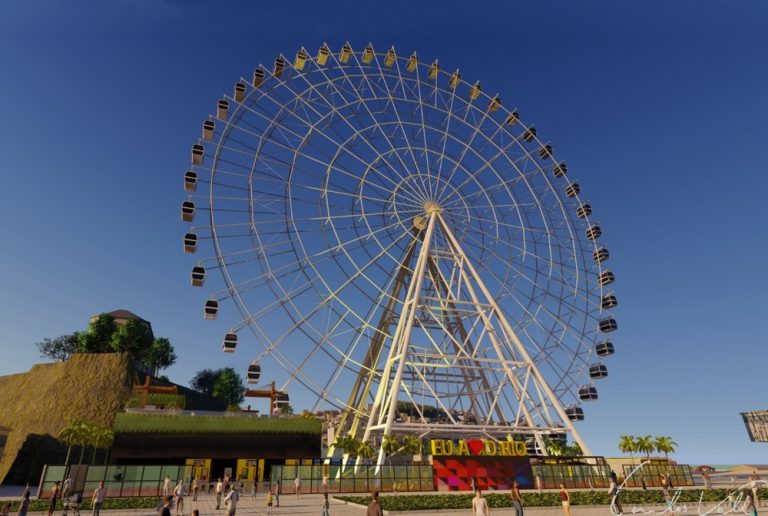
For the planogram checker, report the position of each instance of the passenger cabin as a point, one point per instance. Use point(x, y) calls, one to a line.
point(197, 153)
point(208, 128)
point(254, 372)
point(598, 371)
point(187, 211)
point(604, 348)
point(346, 53)
point(584, 210)
point(529, 134)
point(282, 400)
point(601, 254)
point(494, 104)
point(190, 181)
point(211, 309)
point(322, 55)
point(608, 325)
point(301, 59)
point(560, 169)
point(608, 301)
point(474, 91)
point(198, 276)
point(258, 77)
point(434, 69)
point(239, 91)
point(605, 278)
point(230, 343)
point(573, 189)
point(190, 243)
point(367, 55)
point(593, 232)
point(512, 119)
point(545, 152)
point(279, 67)
point(574, 413)
point(455, 79)
point(222, 109)
point(587, 393)
point(412, 62)
point(389, 60)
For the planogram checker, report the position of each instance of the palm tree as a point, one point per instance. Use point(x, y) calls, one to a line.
point(75, 434)
point(102, 438)
point(555, 448)
point(665, 445)
point(645, 444)
point(412, 445)
point(573, 450)
point(365, 451)
point(390, 445)
point(627, 444)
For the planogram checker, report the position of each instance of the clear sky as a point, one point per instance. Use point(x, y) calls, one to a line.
point(660, 109)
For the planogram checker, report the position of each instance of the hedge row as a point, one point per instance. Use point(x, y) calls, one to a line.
point(109, 503)
point(597, 497)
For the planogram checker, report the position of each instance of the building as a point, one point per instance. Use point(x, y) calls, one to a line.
point(757, 425)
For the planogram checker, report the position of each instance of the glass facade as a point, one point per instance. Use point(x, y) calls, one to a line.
point(351, 479)
point(119, 481)
point(680, 475)
point(574, 472)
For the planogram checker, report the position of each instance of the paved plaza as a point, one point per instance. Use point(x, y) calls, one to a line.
point(311, 505)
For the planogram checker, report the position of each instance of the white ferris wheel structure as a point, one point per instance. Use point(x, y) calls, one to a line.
point(395, 239)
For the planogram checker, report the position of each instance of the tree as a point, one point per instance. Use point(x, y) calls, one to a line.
point(412, 445)
point(665, 445)
point(133, 338)
point(204, 380)
point(76, 433)
point(390, 445)
point(645, 444)
point(60, 348)
point(573, 450)
point(161, 354)
point(101, 439)
point(228, 386)
point(627, 444)
point(555, 448)
point(365, 451)
point(98, 337)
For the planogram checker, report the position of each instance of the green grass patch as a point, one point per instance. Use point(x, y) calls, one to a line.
point(167, 401)
point(531, 499)
point(109, 503)
point(152, 423)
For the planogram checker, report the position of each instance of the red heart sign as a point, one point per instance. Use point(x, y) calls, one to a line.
point(475, 446)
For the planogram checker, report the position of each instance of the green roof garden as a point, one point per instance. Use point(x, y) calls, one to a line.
point(188, 424)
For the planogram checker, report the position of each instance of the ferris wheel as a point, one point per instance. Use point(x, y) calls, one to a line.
point(404, 246)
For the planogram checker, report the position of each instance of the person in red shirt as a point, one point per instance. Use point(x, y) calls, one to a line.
point(566, 499)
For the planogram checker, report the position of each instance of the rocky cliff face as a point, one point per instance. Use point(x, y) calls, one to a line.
point(36, 405)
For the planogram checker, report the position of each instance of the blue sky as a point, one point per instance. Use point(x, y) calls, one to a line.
point(658, 107)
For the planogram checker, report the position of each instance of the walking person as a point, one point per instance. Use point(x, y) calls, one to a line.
point(565, 498)
point(613, 490)
point(326, 505)
point(517, 500)
point(98, 499)
point(374, 508)
point(538, 484)
point(167, 486)
point(253, 489)
point(195, 487)
point(231, 501)
point(179, 492)
point(297, 485)
point(667, 497)
point(219, 489)
point(277, 493)
point(750, 504)
point(480, 505)
point(325, 482)
point(66, 489)
point(24, 505)
point(269, 502)
point(165, 509)
point(54, 498)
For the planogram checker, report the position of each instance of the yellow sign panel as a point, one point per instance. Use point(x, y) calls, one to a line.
point(482, 447)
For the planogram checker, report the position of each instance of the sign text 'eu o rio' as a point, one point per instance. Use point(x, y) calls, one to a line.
point(486, 447)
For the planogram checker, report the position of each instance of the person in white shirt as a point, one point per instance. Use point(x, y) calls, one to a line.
point(219, 489)
point(479, 505)
point(167, 486)
point(231, 501)
point(67, 488)
point(179, 492)
point(98, 498)
point(297, 485)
